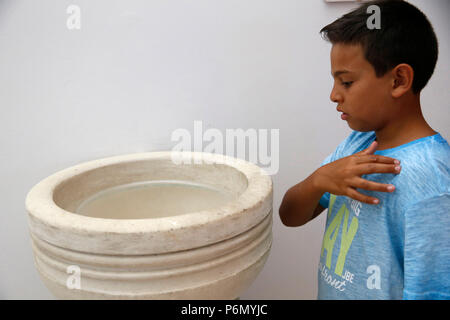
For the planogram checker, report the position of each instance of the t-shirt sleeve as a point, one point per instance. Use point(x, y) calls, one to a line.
point(326, 196)
point(427, 249)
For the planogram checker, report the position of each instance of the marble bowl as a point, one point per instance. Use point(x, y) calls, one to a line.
point(208, 254)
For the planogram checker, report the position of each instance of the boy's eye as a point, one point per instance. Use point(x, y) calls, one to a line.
point(347, 84)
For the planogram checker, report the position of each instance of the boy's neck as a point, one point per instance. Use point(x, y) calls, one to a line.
point(407, 124)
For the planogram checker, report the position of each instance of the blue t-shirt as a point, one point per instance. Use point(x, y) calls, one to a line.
point(399, 248)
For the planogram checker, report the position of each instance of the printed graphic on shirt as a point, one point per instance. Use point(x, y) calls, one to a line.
point(339, 277)
point(339, 224)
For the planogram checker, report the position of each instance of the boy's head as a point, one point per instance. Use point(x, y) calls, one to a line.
point(377, 66)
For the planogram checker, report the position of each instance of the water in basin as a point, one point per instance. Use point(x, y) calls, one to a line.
point(153, 199)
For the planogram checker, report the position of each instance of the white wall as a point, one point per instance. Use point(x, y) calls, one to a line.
point(138, 70)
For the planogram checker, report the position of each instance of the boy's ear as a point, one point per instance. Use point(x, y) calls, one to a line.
point(402, 79)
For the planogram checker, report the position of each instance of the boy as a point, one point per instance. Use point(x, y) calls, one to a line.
point(390, 241)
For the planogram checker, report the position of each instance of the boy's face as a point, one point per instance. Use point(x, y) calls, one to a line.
point(365, 98)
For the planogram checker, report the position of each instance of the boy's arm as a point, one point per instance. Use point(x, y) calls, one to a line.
point(319, 209)
point(301, 202)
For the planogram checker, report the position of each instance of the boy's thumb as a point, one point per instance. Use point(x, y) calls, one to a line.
point(371, 149)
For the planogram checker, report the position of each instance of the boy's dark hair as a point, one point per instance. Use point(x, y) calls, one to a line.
point(405, 36)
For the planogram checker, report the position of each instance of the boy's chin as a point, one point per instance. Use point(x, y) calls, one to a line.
point(355, 127)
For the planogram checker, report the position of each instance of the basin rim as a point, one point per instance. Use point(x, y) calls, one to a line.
point(250, 208)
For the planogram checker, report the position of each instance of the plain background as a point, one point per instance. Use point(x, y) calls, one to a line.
point(138, 70)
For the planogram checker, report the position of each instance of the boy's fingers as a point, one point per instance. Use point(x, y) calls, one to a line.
point(373, 186)
point(369, 168)
point(352, 193)
point(376, 159)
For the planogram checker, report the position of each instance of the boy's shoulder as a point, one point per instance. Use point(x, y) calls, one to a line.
point(425, 164)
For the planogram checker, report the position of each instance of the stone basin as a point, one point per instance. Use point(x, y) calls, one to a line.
point(193, 230)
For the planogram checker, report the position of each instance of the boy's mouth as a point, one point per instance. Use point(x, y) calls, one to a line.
point(340, 110)
point(344, 115)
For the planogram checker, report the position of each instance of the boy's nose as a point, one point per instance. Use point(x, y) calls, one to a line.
point(335, 96)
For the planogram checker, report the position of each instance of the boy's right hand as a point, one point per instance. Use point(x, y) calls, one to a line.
point(343, 176)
